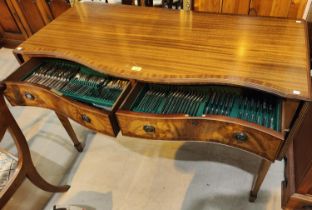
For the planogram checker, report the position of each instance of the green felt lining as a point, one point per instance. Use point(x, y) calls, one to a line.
point(252, 113)
point(97, 101)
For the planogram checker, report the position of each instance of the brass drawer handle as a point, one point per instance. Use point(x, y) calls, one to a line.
point(86, 118)
point(241, 136)
point(149, 128)
point(29, 96)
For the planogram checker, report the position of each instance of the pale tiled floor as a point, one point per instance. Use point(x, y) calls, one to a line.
point(133, 174)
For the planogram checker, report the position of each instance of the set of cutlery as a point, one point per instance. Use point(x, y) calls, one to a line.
point(53, 75)
point(209, 100)
point(102, 91)
point(90, 87)
point(261, 111)
point(189, 100)
point(78, 83)
point(170, 102)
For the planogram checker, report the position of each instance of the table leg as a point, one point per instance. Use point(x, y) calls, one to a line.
point(258, 179)
point(69, 129)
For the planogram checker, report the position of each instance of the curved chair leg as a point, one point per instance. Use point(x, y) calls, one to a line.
point(2, 132)
point(70, 131)
point(33, 175)
point(24, 156)
point(258, 179)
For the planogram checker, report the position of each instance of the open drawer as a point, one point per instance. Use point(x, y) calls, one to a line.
point(243, 118)
point(82, 94)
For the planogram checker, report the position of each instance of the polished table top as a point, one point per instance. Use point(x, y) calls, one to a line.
point(166, 46)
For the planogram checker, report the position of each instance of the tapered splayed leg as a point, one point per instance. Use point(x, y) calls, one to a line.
point(69, 129)
point(258, 179)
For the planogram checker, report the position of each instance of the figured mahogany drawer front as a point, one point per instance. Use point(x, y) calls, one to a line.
point(23, 94)
point(198, 100)
point(73, 80)
point(228, 115)
point(71, 89)
point(186, 128)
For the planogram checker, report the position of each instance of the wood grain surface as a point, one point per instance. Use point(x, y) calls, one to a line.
point(288, 184)
point(25, 167)
point(208, 6)
point(276, 8)
point(289, 109)
point(260, 140)
point(100, 120)
point(236, 6)
point(297, 8)
point(161, 46)
point(211, 128)
point(293, 9)
point(12, 32)
point(7, 22)
point(292, 199)
point(302, 145)
point(30, 14)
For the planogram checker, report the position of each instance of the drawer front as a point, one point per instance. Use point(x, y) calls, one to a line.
point(195, 129)
point(24, 94)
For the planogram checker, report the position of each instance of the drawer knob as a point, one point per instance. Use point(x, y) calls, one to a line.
point(149, 128)
point(29, 96)
point(241, 136)
point(86, 118)
point(195, 123)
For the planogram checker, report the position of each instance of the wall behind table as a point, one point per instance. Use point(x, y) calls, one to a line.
point(20, 19)
point(276, 8)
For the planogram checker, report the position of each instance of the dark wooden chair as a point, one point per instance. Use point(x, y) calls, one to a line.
point(15, 170)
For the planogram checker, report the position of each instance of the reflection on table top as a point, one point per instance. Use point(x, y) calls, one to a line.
point(157, 45)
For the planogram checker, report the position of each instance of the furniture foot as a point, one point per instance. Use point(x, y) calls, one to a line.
point(69, 129)
point(252, 197)
point(33, 175)
point(79, 147)
point(258, 179)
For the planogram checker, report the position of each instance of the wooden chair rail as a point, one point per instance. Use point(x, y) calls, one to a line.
point(25, 166)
